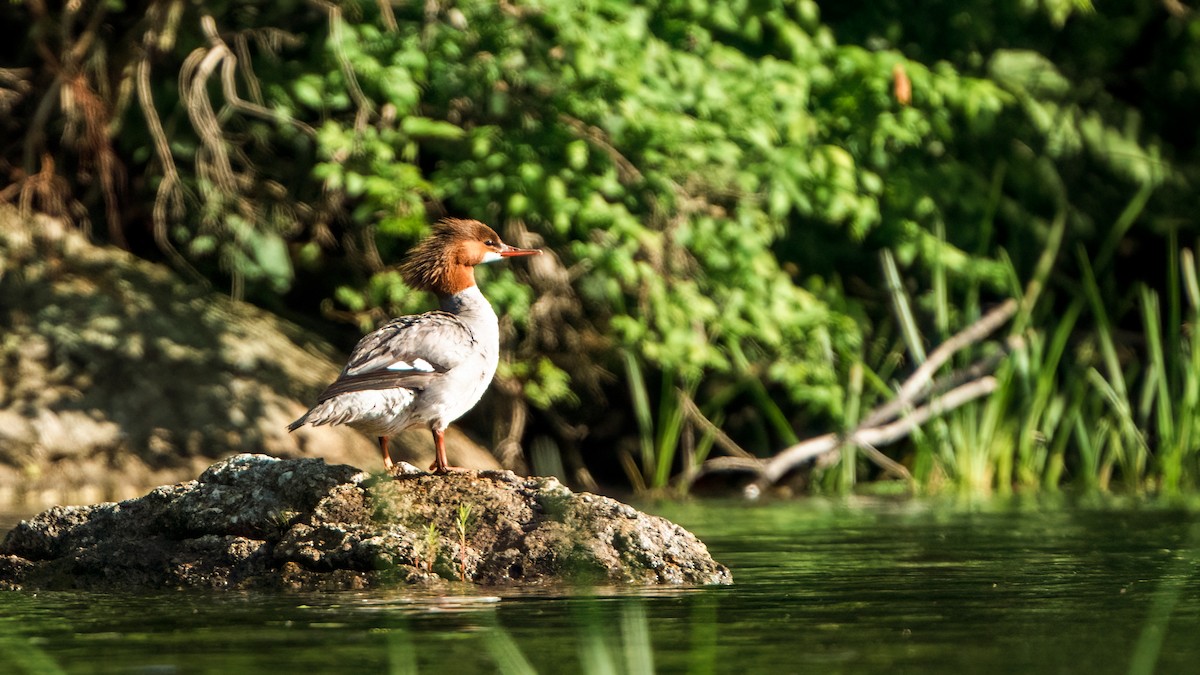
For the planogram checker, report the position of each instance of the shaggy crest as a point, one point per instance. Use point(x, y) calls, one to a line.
point(435, 265)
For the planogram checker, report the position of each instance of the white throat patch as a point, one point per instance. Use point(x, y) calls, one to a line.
point(491, 256)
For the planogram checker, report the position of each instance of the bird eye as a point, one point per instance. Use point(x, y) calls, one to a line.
point(489, 242)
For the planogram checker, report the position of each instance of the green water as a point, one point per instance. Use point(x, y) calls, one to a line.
point(866, 588)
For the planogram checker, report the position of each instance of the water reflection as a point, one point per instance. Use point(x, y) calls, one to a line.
point(880, 588)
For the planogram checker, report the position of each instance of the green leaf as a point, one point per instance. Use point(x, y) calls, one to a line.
point(271, 256)
point(308, 90)
point(1027, 71)
point(423, 127)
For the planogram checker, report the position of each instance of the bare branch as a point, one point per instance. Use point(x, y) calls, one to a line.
point(229, 69)
point(14, 85)
point(242, 46)
point(798, 454)
point(596, 136)
point(91, 109)
point(1177, 9)
point(955, 398)
point(508, 450)
point(886, 463)
point(894, 420)
point(730, 464)
point(193, 82)
point(365, 109)
point(919, 384)
point(388, 16)
point(722, 439)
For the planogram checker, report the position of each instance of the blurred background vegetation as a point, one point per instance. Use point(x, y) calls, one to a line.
point(761, 213)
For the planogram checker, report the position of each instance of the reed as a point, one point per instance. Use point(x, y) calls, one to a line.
point(1123, 412)
point(660, 428)
point(602, 653)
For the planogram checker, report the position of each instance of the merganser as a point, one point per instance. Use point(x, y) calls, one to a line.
point(426, 369)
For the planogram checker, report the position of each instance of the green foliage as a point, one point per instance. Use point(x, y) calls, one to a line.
point(716, 182)
point(462, 521)
point(659, 438)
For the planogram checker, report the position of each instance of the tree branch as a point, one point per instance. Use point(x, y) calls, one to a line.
point(895, 419)
point(775, 468)
point(722, 439)
point(920, 383)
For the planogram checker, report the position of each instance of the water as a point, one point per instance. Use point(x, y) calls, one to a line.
point(864, 588)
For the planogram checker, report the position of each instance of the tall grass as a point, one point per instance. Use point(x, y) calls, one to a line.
point(1152, 425)
point(1103, 391)
point(995, 443)
point(660, 428)
point(602, 654)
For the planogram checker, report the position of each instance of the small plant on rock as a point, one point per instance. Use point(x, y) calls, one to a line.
point(429, 547)
point(461, 525)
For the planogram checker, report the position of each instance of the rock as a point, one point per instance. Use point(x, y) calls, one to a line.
point(253, 521)
point(116, 376)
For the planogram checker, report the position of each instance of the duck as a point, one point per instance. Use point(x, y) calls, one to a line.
point(424, 369)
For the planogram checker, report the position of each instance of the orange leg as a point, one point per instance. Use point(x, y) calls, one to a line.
point(387, 456)
point(439, 465)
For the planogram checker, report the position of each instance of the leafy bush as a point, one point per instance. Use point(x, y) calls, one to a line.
point(714, 180)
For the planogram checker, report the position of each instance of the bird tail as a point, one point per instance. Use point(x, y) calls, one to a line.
point(320, 414)
point(299, 423)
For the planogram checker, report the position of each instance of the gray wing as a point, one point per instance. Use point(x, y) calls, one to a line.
point(405, 353)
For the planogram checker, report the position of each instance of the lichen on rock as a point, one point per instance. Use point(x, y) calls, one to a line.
point(253, 521)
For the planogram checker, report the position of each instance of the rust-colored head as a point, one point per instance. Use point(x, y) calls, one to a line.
point(444, 262)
